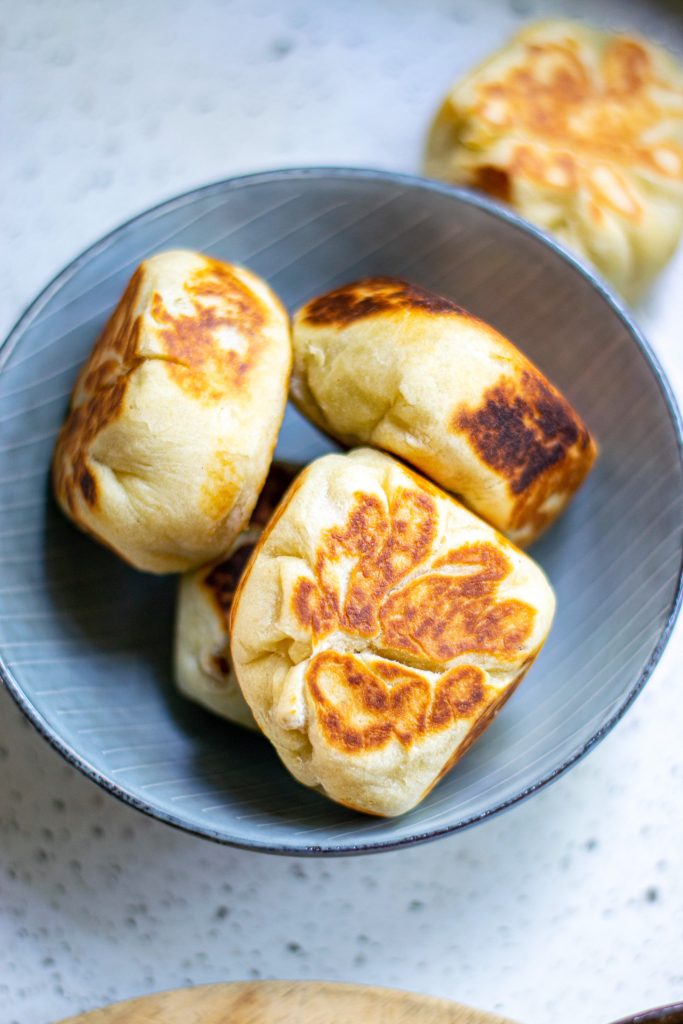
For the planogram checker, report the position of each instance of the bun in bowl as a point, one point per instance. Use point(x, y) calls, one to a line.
point(378, 629)
point(174, 417)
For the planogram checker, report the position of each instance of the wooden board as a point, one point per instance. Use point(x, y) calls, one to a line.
point(286, 1002)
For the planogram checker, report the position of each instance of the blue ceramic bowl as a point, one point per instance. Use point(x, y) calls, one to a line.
point(85, 641)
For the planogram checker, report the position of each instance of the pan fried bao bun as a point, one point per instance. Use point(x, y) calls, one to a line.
point(581, 131)
point(175, 414)
point(385, 363)
point(378, 629)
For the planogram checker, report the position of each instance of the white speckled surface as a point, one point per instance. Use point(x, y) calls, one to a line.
point(569, 908)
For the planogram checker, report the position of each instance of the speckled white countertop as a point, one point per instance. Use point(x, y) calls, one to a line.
point(570, 907)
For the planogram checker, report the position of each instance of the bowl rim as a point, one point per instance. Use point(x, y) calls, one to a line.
point(469, 198)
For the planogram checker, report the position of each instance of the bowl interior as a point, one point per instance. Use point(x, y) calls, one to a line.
point(86, 641)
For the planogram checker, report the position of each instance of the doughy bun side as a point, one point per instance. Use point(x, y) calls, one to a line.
point(202, 663)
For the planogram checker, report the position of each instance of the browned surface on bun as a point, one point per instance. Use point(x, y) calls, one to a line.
point(440, 616)
point(525, 431)
point(386, 548)
point(101, 389)
point(580, 130)
point(553, 96)
point(434, 617)
point(221, 582)
point(280, 476)
point(359, 712)
point(372, 295)
point(85, 423)
point(481, 724)
point(200, 363)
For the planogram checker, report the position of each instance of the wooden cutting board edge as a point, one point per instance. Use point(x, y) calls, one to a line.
point(286, 1002)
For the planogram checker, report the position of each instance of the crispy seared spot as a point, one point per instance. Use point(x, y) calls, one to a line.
point(71, 469)
point(97, 399)
point(221, 665)
point(117, 346)
point(451, 609)
point(522, 429)
point(386, 545)
point(373, 295)
point(626, 66)
point(441, 615)
point(100, 375)
point(489, 710)
point(358, 712)
point(460, 693)
point(573, 116)
point(88, 486)
point(213, 347)
point(278, 480)
point(223, 578)
point(313, 608)
point(494, 181)
point(558, 170)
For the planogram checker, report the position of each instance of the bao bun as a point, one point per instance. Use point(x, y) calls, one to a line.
point(175, 414)
point(378, 629)
point(386, 363)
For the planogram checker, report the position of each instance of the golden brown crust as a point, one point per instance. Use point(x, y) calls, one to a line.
point(358, 712)
point(386, 546)
point(97, 400)
point(373, 295)
point(70, 466)
point(116, 348)
point(552, 96)
point(487, 714)
point(530, 435)
point(450, 608)
point(200, 363)
point(581, 131)
point(440, 616)
point(222, 579)
point(522, 430)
